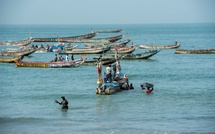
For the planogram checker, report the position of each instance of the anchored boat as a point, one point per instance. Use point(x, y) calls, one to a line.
point(24, 51)
point(64, 39)
point(59, 64)
point(144, 55)
point(200, 51)
point(18, 42)
point(176, 45)
point(10, 59)
point(108, 31)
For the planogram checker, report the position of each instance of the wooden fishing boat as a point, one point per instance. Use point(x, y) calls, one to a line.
point(200, 51)
point(10, 59)
point(144, 55)
point(122, 50)
point(108, 31)
point(105, 56)
point(114, 44)
point(176, 45)
point(25, 51)
point(59, 64)
point(17, 43)
point(95, 40)
point(64, 39)
point(86, 50)
point(111, 39)
point(106, 87)
point(120, 43)
point(104, 61)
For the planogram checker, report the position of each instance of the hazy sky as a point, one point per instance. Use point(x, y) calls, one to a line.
point(106, 11)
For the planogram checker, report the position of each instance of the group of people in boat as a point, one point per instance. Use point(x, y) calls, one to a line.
point(47, 48)
point(61, 58)
point(116, 74)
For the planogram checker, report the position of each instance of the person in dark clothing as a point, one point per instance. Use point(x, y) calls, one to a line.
point(64, 103)
point(131, 86)
point(55, 58)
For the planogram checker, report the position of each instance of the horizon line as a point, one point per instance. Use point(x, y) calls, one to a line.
point(118, 23)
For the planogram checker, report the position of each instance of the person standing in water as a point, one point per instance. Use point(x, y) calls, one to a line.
point(64, 103)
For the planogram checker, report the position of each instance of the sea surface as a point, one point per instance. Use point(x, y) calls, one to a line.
point(183, 100)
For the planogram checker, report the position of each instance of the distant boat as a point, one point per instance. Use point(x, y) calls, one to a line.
point(86, 50)
point(111, 39)
point(23, 51)
point(176, 45)
point(144, 55)
point(108, 31)
point(10, 59)
point(17, 43)
point(106, 61)
point(64, 39)
point(200, 51)
point(94, 40)
point(114, 44)
point(59, 64)
point(122, 50)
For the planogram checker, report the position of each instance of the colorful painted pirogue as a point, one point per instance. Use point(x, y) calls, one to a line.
point(176, 45)
point(106, 87)
point(59, 64)
point(17, 43)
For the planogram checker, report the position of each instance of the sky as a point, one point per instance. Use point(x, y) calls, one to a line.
point(106, 11)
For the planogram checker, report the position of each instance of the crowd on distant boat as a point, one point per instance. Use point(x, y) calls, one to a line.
point(66, 59)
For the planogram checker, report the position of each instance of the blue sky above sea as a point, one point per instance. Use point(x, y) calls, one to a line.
point(106, 12)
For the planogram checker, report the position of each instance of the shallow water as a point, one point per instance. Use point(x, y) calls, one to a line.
point(182, 101)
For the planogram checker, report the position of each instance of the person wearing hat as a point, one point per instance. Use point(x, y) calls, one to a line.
point(64, 103)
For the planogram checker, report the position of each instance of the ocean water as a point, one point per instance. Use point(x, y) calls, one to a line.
point(183, 100)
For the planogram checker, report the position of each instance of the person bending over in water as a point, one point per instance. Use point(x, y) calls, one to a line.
point(64, 103)
point(149, 90)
